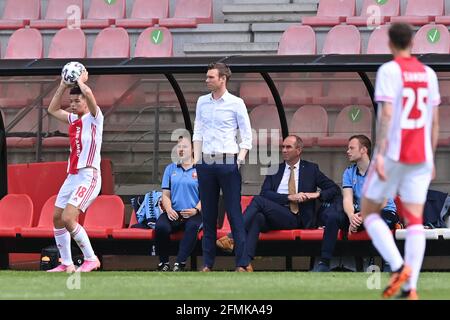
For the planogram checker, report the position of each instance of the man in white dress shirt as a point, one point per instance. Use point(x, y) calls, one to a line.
point(218, 155)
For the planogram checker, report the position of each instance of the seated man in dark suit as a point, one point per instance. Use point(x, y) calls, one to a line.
point(287, 198)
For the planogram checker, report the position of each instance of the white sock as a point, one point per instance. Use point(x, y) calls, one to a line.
point(383, 240)
point(414, 251)
point(81, 238)
point(62, 238)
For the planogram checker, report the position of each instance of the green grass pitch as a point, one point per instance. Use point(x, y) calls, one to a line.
point(206, 286)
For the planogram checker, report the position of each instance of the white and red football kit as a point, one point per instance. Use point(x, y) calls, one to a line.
point(413, 90)
point(83, 181)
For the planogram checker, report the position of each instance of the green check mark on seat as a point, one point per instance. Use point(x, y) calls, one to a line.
point(355, 114)
point(433, 35)
point(110, 1)
point(381, 2)
point(157, 36)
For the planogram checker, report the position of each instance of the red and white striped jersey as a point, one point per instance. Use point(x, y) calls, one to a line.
point(413, 90)
point(85, 135)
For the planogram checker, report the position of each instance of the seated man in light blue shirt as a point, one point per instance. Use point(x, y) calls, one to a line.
point(359, 149)
point(181, 202)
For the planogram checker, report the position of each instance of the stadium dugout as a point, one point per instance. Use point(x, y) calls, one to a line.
point(323, 98)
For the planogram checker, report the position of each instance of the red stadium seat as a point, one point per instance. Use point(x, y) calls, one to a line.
point(265, 117)
point(445, 20)
point(44, 179)
point(444, 90)
point(103, 14)
point(133, 233)
point(106, 168)
point(444, 125)
point(60, 14)
point(44, 228)
point(309, 123)
point(345, 89)
point(137, 233)
point(58, 131)
point(19, 93)
point(331, 13)
point(313, 234)
point(68, 43)
point(38, 180)
point(25, 44)
point(17, 14)
point(358, 236)
point(226, 228)
point(105, 214)
point(310, 234)
point(255, 93)
point(278, 235)
point(373, 13)
point(299, 93)
point(379, 41)
point(111, 43)
point(350, 121)
point(342, 40)
point(245, 201)
point(21, 142)
point(18, 135)
point(189, 13)
point(65, 103)
point(421, 12)
point(298, 39)
point(274, 235)
point(110, 88)
point(16, 211)
point(154, 42)
point(29, 124)
point(145, 13)
point(432, 38)
point(56, 141)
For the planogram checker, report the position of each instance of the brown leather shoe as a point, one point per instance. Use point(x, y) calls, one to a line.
point(206, 269)
point(226, 244)
point(240, 269)
point(249, 268)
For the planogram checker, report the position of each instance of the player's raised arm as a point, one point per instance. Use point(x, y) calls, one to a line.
point(87, 92)
point(55, 105)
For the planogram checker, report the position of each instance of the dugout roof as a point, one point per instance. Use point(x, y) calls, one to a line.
point(172, 68)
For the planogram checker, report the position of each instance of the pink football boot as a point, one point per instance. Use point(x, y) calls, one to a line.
point(63, 268)
point(89, 265)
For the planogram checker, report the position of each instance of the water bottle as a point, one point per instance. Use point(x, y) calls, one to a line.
point(153, 252)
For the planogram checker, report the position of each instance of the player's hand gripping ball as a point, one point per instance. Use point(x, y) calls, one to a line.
point(71, 72)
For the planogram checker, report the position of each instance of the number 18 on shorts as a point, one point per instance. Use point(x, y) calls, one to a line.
point(80, 189)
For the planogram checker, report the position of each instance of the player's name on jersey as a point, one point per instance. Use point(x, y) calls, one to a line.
point(415, 76)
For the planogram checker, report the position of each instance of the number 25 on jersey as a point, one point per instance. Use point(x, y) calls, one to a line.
point(414, 108)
